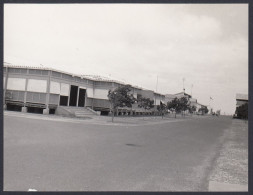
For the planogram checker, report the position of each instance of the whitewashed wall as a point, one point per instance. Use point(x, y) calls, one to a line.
point(16, 84)
point(35, 85)
point(55, 87)
point(101, 94)
point(157, 101)
point(89, 92)
point(64, 89)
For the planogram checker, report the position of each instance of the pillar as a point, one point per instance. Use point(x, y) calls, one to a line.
point(25, 95)
point(48, 89)
point(24, 109)
point(46, 111)
point(69, 94)
point(77, 99)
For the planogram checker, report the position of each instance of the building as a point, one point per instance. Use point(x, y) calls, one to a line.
point(191, 101)
point(44, 90)
point(241, 99)
point(241, 109)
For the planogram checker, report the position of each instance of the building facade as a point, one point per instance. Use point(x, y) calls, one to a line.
point(241, 99)
point(191, 101)
point(45, 89)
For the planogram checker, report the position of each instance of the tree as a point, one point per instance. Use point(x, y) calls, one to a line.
point(184, 104)
point(162, 108)
point(145, 103)
point(178, 105)
point(174, 105)
point(192, 109)
point(203, 110)
point(120, 97)
point(242, 111)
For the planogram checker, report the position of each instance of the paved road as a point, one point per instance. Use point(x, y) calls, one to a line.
point(66, 156)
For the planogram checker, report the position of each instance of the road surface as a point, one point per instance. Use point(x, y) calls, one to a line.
point(48, 155)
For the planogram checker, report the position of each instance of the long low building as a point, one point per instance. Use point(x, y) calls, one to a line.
point(45, 89)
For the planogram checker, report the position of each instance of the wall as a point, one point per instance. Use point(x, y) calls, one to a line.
point(147, 94)
point(240, 102)
point(64, 89)
point(16, 84)
point(36, 85)
point(101, 94)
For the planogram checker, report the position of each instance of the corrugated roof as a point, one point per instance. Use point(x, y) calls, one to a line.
point(240, 96)
point(90, 77)
point(6, 64)
point(102, 78)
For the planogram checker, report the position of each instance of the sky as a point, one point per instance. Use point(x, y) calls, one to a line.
point(148, 45)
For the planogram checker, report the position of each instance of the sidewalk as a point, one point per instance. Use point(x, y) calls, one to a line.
point(231, 167)
point(103, 120)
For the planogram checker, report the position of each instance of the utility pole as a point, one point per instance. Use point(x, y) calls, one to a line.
point(156, 88)
point(183, 85)
point(191, 89)
point(156, 84)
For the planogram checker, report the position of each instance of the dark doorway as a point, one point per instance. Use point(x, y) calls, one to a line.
point(51, 111)
point(63, 100)
point(105, 113)
point(73, 95)
point(13, 107)
point(35, 110)
point(81, 100)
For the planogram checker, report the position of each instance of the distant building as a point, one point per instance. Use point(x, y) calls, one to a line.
point(170, 97)
point(192, 101)
point(241, 99)
point(241, 111)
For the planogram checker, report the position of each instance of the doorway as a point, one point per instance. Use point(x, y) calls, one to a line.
point(73, 95)
point(81, 100)
point(63, 100)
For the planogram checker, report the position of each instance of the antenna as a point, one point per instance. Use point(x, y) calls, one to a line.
point(191, 89)
point(156, 83)
point(183, 85)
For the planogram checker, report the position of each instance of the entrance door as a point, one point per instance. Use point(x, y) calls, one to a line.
point(73, 95)
point(81, 100)
point(63, 100)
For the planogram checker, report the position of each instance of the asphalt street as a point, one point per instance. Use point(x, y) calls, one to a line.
point(66, 156)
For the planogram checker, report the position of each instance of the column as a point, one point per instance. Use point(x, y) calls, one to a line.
point(69, 94)
point(5, 87)
point(46, 110)
point(24, 109)
point(77, 99)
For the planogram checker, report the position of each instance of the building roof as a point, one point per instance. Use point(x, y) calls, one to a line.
point(102, 78)
point(240, 96)
point(170, 96)
point(182, 93)
point(193, 100)
point(90, 77)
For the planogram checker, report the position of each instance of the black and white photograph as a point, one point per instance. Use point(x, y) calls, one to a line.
point(133, 97)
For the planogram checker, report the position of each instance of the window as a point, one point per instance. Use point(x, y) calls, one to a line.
point(56, 74)
point(68, 77)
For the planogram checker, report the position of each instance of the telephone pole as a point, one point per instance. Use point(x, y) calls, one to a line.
point(156, 84)
point(191, 89)
point(183, 85)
